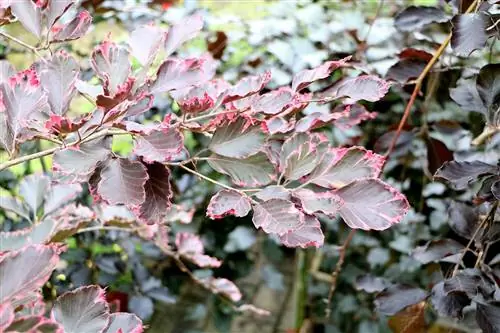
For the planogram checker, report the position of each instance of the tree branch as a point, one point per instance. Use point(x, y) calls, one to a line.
point(20, 42)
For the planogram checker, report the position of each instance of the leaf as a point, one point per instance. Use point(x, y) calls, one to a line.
point(145, 42)
point(460, 174)
point(60, 195)
point(410, 320)
point(302, 160)
point(33, 189)
point(436, 250)
point(124, 323)
point(273, 192)
point(405, 70)
point(488, 317)
point(277, 216)
point(307, 235)
point(38, 234)
point(255, 170)
point(142, 306)
point(82, 310)
point(112, 66)
point(371, 284)
point(437, 154)
point(58, 77)
point(182, 73)
point(247, 86)
point(31, 267)
point(25, 104)
point(273, 102)
point(469, 32)
point(341, 166)
point(495, 189)
point(448, 304)
point(29, 14)
point(14, 205)
point(158, 194)
point(238, 139)
point(371, 204)
point(397, 297)
point(304, 78)
point(223, 286)
point(365, 87)
point(318, 202)
point(77, 164)
point(122, 182)
point(463, 219)
point(56, 9)
point(414, 18)
point(6, 71)
point(228, 202)
point(181, 32)
point(191, 247)
point(353, 115)
point(466, 95)
point(468, 281)
point(488, 87)
point(160, 145)
point(6, 315)
point(74, 29)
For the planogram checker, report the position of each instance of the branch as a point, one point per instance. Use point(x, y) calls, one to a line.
point(20, 42)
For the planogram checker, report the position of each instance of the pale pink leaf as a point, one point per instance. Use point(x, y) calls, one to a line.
point(353, 115)
point(122, 182)
point(160, 145)
point(247, 86)
point(74, 29)
point(277, 125)
point(37, 234)
point(306, 77)
point(307, 235)
point(238, 139)
point(60, 195)
point(365, 87)
point(274, 102)
point(223, 286)
point(228, 202)
point(273, 192)
point(371, 204)
point(312, 202)
point(145, 43)
point(191, 248)
point(111, 64)
point(6, 316)
point(315, 120)
point(29, 14)
point(181, 32)
point(55, 9)
point(277, 216)
point(124, 323)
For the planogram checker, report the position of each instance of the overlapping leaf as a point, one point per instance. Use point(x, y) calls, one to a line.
point(74, 29)
point(307, 235)
point(416, 17)
point(304, 78)
point(396, 298)
point(460, 174)
point(181, 32)
point(158, 194)
point(111, 64)
point(124, 323)
point(469, 32)
point(277, 216)
point(327, 203)
point(228, 202)
point(247, 86)
point(160, 145)
point(238, 139)
point(190, 247)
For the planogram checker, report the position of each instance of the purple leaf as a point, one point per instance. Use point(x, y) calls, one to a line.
point(122, 182)
point(488, 87)
point(273, 192)
point(371, 284)
point(25, 104)
point(340, 166)
point(223, 286)
point(436, 250)
point(304, 143)
point(74, 29)
point(181, 32)
point(145, 43)
point(448, 304)
point(15, 205)
point(58, 77)
point(124, 323)
point(353, 115)
point(463, 219)
point(495, 189)
point(414, 18)
point(315, 120)
point(6, 316)
point(31, 267)
point(142, 105)
point(82, 310)
point(406, 70)
point(182, 73)
point(324, 202)
point(228, 202)
point(488, 317)
point(466, 95)
point(37, 234)
point(55, 9)
point(158, 194)
point(247, 86)
point(365, 87)
point(29, 14)
point(306, 77)
point(33, 189)
point(60, 195)
point(370, 204)
point(469, 32)
point(77, 164)
point(112, 66)
point(160, 145)
point(191, 248)
point(460, 174)
point(238, 139)
point(202, 97)
point(307, 235)
point(305, 156)
point(397, 297)
point(274, 102)
point(255, 170)
point(277, 216)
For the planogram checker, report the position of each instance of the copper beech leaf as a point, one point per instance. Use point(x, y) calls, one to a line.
point(145, 42)
point(414, 18)
point(247, 86)
point(460, 174)
point(469, 32)
point(55, 9)
point(181, 32)
point(277, 216)
point(228, 202)
point(397, 297)
point(74, 29)
point(82, 310)
point(159, 145)
point(304, 78)
point(365, 87)
point(158, 194)
point(307, 235)
point(340, 166)
point(31, 266)
point(37, 234)
point(124, 323)
point(112, 65)
point(238, 139)
point(29, 14)
point(122, 182)
point(223, 286)
point(371, 204)
point(191, 248)
point(327, 203)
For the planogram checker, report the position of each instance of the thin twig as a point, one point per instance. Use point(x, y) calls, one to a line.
point(20, 42)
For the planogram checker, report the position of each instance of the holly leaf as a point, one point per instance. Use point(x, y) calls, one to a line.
point(277, 216)
point(181, 32)
point(414, 18)
point(158, 194)
point(460, 174)
point(238, 139)
point(31, 267)
point(304, 78)
point(82, 310)
point(255, 170)
point(122, 182)
point(74, 29)
point(159, 145)
point(58, 77)
point(307, 235)
point(228, 202)
point(341, 166)
point(397, 297)
point(371, 204)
